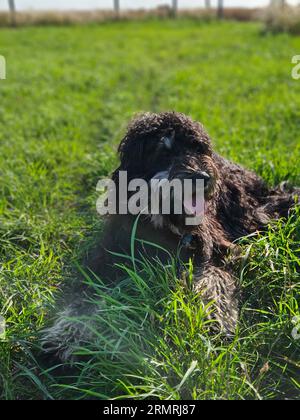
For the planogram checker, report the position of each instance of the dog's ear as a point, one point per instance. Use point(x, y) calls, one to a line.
point(131, 152)
point(115, 175)
point(132, 149)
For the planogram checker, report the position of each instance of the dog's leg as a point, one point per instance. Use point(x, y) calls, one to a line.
point(219, 287)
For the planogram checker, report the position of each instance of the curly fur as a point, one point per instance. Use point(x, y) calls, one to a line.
point(238, 203)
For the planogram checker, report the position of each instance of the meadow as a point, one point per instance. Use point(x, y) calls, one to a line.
point(69, 94)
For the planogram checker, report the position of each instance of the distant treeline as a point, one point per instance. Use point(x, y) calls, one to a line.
point(172, 9)
point(21, 18)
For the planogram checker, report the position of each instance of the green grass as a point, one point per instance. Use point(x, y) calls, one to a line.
point(69, 94)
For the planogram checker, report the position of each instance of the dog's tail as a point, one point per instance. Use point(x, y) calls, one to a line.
point(279, 203)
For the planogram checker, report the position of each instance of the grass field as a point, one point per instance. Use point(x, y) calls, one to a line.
point(64, 106)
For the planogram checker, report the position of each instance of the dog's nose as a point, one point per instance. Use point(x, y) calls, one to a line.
point(203, 176)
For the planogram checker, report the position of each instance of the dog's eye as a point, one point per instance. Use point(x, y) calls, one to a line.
point(167, 142)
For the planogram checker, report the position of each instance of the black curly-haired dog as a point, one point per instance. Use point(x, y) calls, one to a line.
point(238, 203)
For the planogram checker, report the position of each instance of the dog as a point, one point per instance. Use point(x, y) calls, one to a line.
point(172, 146)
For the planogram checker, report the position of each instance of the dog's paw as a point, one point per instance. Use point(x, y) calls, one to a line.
point(68, 333)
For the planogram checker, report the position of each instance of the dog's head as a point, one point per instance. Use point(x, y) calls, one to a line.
point(168, 146)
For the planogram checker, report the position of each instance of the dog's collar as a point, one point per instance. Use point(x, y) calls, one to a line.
point(188, 241)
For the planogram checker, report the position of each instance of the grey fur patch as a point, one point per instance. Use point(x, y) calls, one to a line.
point(69, 331)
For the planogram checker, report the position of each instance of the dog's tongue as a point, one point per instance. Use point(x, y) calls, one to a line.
point(194, 206)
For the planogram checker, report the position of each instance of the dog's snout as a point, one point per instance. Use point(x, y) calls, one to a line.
point(207, 180)
point(201, 175)
point(205, 177)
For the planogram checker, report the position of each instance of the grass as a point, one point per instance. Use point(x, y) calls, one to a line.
point(68, 96)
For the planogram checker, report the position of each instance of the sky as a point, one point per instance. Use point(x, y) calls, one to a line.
point(103, 4)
